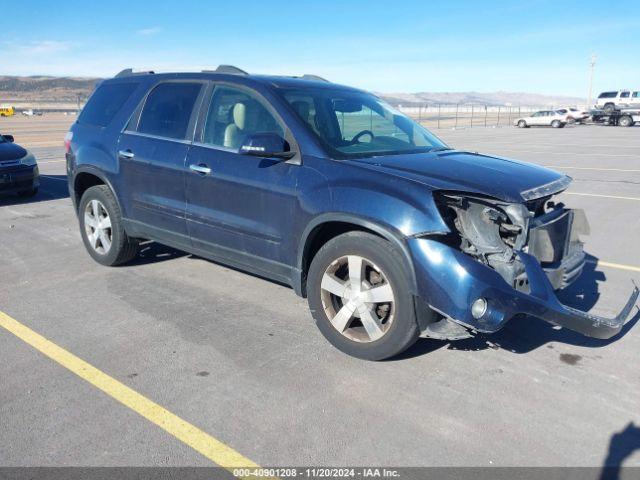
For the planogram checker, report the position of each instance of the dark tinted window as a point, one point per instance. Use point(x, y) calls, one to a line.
point(168, 108)
point(624, 95)
point(105, 102)
point(608, 95)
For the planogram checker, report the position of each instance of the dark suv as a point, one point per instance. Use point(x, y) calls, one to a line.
point(390, 233)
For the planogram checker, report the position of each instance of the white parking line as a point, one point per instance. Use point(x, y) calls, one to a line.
point(603, 196)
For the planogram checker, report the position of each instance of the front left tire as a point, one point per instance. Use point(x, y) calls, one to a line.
point(102, 229)
point(359, 295)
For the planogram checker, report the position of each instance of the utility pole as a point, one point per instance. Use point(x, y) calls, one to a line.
point(594, 57)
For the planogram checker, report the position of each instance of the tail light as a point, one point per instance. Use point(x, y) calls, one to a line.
point(67, 142)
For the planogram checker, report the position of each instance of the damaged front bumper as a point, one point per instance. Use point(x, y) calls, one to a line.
point(450, 281)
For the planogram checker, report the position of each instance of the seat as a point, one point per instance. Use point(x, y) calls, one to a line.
point(233, 133)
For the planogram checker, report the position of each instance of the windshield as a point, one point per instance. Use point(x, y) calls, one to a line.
point(353, 124)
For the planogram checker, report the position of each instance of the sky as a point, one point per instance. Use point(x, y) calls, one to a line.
point(385, 46)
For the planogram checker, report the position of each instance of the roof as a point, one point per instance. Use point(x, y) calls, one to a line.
point(227, 72)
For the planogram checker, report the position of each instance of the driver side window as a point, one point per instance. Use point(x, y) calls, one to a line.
point(235, 114)
point(352, 123)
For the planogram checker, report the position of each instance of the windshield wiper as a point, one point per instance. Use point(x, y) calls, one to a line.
point(440, 149)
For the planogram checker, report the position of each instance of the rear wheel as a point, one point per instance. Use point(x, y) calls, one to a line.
point(625, 121)
point(359, 295)
point(102, 230)
point(609, 108)
point(522, 124)
point(556, 124)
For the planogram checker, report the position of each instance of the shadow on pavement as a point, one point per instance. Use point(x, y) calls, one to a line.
point(52, 187)
point(524, 334)
point(621, 446)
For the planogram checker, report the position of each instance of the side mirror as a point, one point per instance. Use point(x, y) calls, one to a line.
point(8, 138)
point(269, 145)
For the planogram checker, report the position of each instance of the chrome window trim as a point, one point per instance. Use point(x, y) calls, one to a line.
point(157, 137)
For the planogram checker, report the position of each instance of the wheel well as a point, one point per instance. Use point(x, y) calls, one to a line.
point(321, 235)
point(84, 181)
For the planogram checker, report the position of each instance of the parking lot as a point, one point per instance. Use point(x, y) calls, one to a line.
point(240, 358)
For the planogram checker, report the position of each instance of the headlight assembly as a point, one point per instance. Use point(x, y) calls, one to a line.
point(29, 160)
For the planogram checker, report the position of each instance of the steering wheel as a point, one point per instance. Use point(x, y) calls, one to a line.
point(357, 136)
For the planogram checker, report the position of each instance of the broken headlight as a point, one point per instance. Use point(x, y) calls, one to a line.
point(489, 230)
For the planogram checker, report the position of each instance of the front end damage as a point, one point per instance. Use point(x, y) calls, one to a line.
point(502, 259)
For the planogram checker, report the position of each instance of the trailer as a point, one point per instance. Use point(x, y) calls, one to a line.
point(626, 117)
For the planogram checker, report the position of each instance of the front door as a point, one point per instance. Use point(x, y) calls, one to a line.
point(240, 207)
point(152, 155)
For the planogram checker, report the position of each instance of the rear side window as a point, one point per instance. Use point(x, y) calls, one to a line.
point(624, 95)
point(608, 95)
point(105, 102)
point(168, 109)
point(636, 95)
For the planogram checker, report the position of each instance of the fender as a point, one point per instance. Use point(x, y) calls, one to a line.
point(95, 171)
point(385, 231)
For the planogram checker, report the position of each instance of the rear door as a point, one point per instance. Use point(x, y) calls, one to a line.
point(152, 153)
point(625, 99)
point(635, 99)
point(240, 207)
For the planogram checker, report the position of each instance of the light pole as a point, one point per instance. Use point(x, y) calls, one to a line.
point(594, 57)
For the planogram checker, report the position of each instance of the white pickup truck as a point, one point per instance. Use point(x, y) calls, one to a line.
point(610, 101)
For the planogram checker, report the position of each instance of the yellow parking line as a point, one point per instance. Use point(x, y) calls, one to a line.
point(60, 161)
point(593, 168)
point(187, 433)
point(619, 266)
point(603, 196)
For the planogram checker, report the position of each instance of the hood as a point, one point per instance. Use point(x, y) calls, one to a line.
point(496, 177)
point(11, 151)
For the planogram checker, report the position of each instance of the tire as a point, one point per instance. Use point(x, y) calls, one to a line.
point(522, 124)
point(382, 266)
point(626, 121)
point(121, 247)
point(557, 124)
point(609, 108)
point(32, 192)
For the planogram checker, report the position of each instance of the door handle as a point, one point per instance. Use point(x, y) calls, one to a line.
point(201, 168)
point(126, 154)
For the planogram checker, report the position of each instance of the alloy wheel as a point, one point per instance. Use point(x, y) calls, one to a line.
point(97, 226)
point(358, 298)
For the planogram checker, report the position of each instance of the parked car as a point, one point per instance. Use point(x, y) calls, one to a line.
point(18, 169)
point(390, 233)
point(547, 118)
point(610, 101)
point(572, 114)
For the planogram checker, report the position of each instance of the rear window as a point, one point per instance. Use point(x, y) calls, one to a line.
point(105, 102)
point(168, 108)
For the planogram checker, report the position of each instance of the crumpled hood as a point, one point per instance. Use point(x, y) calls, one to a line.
point(11, 151)
point(469, 172)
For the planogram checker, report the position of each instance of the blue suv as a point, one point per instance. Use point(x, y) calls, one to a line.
point(389, 233)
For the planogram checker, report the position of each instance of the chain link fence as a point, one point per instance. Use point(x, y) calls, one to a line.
point(467, 116)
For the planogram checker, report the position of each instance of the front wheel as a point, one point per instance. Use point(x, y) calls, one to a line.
point(32, 192)
point(522, 124)
point(102, 230)
point(360, 297)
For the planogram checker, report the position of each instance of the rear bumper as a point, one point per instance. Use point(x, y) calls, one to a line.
point(19, 179)
point(450, 281)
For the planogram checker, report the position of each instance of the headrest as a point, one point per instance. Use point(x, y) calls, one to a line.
point(240, 115)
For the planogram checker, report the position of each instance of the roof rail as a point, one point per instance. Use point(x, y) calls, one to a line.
point(230, 69)
point(309, 76)
point(129, 71)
